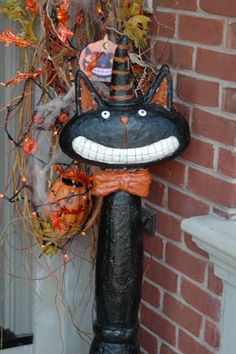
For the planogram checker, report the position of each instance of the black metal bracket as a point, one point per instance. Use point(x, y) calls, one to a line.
point(148, 221)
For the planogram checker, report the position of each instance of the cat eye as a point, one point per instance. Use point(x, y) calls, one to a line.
point(106, 114)
point(142, 113)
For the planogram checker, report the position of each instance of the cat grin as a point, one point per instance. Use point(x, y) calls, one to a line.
point(91, 150)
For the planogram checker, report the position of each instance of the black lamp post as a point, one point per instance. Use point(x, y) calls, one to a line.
point(122, 135)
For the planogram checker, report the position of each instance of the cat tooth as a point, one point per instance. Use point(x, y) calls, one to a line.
point(135, 155)
point(101, 153)
point(131, 159)
point(131, 155)
point(141, 155)
point(108, 152)
point(87, 144)
point(175, 143)
point(145, 150)
point(151, 150)
point(91, 155)
point(170, 147)
point(94, 147)
point(163, 146)
point(169, 143)
point(115, 155)
point(157, 148)
point(124, 155)
point(108, 156)
point(77, 145)
point(131, 152)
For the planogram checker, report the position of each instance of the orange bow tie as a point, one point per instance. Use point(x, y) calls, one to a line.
point(133, 182)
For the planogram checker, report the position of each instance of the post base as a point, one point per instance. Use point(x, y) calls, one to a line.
point(114, 348)
point(114, 341)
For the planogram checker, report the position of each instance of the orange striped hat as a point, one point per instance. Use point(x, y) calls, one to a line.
point(121, 87)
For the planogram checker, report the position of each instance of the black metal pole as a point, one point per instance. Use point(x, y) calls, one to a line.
point(119, 270)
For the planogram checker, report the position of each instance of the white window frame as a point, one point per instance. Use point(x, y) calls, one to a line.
point(17, 309)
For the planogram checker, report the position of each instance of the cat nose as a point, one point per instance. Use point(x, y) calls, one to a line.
point(124, 119)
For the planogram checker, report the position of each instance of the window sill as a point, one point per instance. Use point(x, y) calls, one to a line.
point(217, 237)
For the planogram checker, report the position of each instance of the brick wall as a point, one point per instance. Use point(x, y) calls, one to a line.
point(182, 298)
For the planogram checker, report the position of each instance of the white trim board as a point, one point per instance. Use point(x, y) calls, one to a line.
point(25, 349)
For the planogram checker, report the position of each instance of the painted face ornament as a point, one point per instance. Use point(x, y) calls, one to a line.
point(127, 130)
point(96, 60)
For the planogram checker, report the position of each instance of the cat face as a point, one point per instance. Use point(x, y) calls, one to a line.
point(136, 133)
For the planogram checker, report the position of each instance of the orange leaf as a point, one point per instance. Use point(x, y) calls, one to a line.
point(64, 32)
point(62, 12)
point(32, 6)
point(10, 38)
point(23, 76)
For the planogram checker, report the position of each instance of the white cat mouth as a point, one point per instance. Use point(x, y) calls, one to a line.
point(96, 152)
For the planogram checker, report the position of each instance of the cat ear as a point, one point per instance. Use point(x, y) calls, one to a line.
point(161, 90)
point(87, 98)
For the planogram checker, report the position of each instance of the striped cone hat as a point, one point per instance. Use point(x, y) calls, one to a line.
point(121, 87)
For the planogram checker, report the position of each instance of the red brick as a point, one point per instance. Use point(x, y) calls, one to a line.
point(176, 4)
point(153, 245)
point(219, 7)
point(183, 315)
point(163, 24)
point(151, 294)
point(157, 193)
point(192, 28)
point(168, 226)
point(160, 275)
point(212, 335)
point(214, 127)
point(215, 284)
point(231, 38)
point(227, 162)
point(200, 153)
point(166, 350)
point(176, 55)
point(147, 341)
point(158, 324)
point(212, 188)
point(184, 205)
point(188, 345)
point(172, 171)
point(187, 264)
point(193, 246)
point(216, 64)
point(201, 300)
point(229, 102)
point(194, 90)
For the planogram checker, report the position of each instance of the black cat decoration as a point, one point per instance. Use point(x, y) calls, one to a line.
point(122, 134)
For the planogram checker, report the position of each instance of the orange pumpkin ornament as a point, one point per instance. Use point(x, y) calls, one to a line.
point(68, 203)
